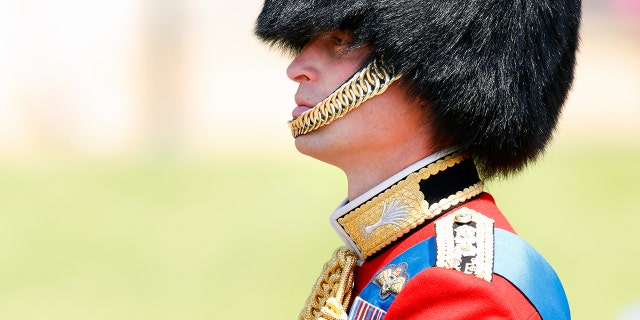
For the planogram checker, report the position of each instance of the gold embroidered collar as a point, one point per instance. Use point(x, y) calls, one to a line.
point(390, 210)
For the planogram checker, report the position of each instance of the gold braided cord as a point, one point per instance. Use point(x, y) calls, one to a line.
point(335, 281)
point(371, 81)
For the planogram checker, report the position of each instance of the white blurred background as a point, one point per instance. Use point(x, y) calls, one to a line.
point(104, 78)
point(111, 78)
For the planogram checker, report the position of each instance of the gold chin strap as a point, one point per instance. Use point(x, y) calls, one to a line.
point(371, 81)
point(331, 294)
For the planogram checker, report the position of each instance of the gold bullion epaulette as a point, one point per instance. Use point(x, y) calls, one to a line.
point(464, 242)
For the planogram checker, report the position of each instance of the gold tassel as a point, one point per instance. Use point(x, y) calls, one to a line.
point(331, 295)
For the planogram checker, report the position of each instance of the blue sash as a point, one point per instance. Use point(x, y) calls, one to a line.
point(514, 260)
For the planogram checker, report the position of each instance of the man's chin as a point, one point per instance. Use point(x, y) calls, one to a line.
point(304, 143)
point(313, 144)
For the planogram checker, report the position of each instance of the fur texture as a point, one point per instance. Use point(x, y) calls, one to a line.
point(495, 73)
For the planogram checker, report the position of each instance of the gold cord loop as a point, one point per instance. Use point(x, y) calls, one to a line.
point(368, 83)
point(331, 294)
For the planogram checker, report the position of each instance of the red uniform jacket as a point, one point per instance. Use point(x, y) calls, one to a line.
point(438, 293)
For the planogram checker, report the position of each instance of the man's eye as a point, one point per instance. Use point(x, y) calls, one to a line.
point(339, 40)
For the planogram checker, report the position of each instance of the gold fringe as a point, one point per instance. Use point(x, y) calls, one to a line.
point(335, 281)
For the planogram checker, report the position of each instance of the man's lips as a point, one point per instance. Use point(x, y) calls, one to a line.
point(297, 111)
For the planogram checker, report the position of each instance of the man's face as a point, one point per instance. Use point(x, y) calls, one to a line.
point(323, 65)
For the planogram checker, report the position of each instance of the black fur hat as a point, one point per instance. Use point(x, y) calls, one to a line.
point(495, 72)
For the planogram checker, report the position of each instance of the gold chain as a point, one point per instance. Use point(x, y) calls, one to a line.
point(369, 82)
point(335, 283)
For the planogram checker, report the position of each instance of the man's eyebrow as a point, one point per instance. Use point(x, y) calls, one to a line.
point(339, 32)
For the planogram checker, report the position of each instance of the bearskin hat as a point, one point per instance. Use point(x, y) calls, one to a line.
point(495, 73)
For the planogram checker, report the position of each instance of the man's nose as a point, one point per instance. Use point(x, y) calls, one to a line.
point(302, 67)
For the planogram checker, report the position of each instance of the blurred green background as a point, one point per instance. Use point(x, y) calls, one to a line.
point(245, 237)
point(146, 171)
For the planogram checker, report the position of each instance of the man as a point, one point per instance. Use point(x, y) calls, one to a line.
point(411, 99)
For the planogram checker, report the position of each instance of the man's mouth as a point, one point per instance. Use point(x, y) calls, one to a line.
point(297, 111)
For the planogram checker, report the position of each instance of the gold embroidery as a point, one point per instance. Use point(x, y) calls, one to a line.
point(464, 242)
point(331, 295)
point(391, 280)
point(396, 211)
point(374, 225)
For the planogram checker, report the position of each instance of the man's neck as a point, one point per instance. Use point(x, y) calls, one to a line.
point(371, 171)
